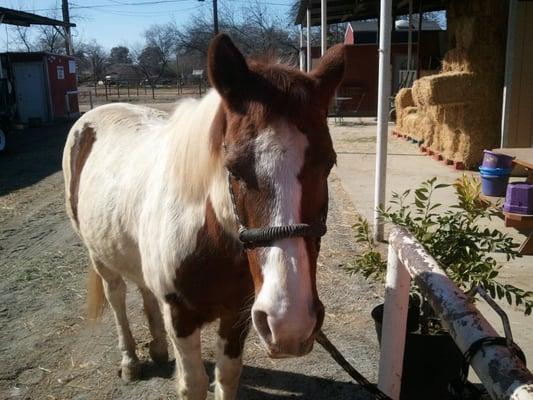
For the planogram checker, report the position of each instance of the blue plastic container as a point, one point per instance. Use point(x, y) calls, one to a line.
point(494, 181)
point(497, 160)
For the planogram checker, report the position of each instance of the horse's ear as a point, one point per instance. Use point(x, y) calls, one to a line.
point(226, 66)
point(330, 71)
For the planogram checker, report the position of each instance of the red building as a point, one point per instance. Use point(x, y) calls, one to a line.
point(44, 86)
point(361, 78)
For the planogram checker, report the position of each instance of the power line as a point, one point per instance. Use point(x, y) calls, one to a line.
point(117, 4)
point(266, 3)
point(146, 13)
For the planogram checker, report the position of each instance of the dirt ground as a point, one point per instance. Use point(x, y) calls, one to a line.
point(48, 351)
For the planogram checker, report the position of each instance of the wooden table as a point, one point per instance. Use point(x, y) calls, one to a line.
point(523, 223)
point(523, 158)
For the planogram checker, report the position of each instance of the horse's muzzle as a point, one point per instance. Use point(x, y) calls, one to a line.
point(291, 350)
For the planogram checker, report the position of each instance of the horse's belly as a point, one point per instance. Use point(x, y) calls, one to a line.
point(109, 230)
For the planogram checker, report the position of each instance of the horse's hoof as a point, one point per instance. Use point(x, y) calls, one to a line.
point(158, 354)
point(130, 373)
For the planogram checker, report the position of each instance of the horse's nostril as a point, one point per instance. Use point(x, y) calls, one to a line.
point(260, 319)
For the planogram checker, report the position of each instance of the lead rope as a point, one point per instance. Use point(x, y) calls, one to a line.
point(322, 339)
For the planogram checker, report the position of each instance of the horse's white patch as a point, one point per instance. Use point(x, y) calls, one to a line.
point(227, 373)
point(286, 293)
point(192, 380)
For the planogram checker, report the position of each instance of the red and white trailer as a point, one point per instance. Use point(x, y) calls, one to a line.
point(44, 86)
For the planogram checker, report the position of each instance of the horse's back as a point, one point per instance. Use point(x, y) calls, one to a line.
point(106, 160)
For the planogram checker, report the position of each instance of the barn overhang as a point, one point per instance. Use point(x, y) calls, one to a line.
point(21, 18)
point(354, 10)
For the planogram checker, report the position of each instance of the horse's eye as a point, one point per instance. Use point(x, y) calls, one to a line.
point(234, 174)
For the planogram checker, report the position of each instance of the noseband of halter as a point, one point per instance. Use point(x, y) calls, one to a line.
point(265, 237)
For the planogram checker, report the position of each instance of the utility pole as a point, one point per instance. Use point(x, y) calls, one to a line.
point(215, 16)
point(66, 27)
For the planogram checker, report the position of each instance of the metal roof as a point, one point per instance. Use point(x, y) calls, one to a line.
point(22, 18)
point(354, 10)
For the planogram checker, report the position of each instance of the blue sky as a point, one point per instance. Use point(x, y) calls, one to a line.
point(116, 22)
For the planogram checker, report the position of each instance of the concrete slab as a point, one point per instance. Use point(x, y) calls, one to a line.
point(407, 167)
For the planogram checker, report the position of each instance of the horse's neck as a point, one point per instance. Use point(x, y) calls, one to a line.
point(195, 163)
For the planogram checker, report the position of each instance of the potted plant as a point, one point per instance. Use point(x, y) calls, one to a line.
point(458, 239)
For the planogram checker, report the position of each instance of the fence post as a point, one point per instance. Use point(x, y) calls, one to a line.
point(145, 87)
point(137, 85)
point(128, 83)
point(91, 99)
point(106, 93)
point(153, 91)
point(397, 284)
point(118, 89)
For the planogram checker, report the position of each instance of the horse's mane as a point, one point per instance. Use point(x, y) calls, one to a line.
point(191, 158)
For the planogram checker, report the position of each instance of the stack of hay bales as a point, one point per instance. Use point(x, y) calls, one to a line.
point(457, 112)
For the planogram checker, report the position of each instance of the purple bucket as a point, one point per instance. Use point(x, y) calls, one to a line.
point(519, 198)
point(496, 160)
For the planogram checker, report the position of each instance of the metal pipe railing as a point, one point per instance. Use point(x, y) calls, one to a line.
point(502, 373)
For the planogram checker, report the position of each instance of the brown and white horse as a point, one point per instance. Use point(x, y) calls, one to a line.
point(158, 200)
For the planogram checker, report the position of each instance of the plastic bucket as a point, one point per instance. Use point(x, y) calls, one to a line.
point(496, 160)
point(495, 171)
point(494, 185)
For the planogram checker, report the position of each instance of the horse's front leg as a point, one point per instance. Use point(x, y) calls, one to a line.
point(184, 332)
point(232, 334)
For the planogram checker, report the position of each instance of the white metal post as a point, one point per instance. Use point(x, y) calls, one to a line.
point(410, 37)
point(384, 87)
point(323, 26)
point(395, 317)
point(308, 15)
point(302, 53)
point(508, 78)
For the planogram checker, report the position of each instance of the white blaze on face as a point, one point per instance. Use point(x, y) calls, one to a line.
point(286, 295)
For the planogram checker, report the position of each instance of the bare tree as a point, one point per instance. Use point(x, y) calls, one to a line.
point(23, 38)
point(92, 58)
point(50, 39)
point(255, 30)
point(160, 48)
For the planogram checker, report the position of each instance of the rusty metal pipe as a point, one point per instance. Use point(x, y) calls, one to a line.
point(502, 373)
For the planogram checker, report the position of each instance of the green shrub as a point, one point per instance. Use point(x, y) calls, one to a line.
point(455, 237)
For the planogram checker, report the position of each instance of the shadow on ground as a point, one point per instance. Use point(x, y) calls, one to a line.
point(267, 384)
point(33, 154)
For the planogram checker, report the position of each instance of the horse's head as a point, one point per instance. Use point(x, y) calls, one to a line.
point(279, 153)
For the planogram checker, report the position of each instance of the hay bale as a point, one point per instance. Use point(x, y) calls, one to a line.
point(445, 88)
point(404, 99)
point(450, 142)
point(436, 113)
point(456, 60)
point(457, 112)
point(424, 128)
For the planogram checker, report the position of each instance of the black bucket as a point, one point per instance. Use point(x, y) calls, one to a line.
point(430, 362)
